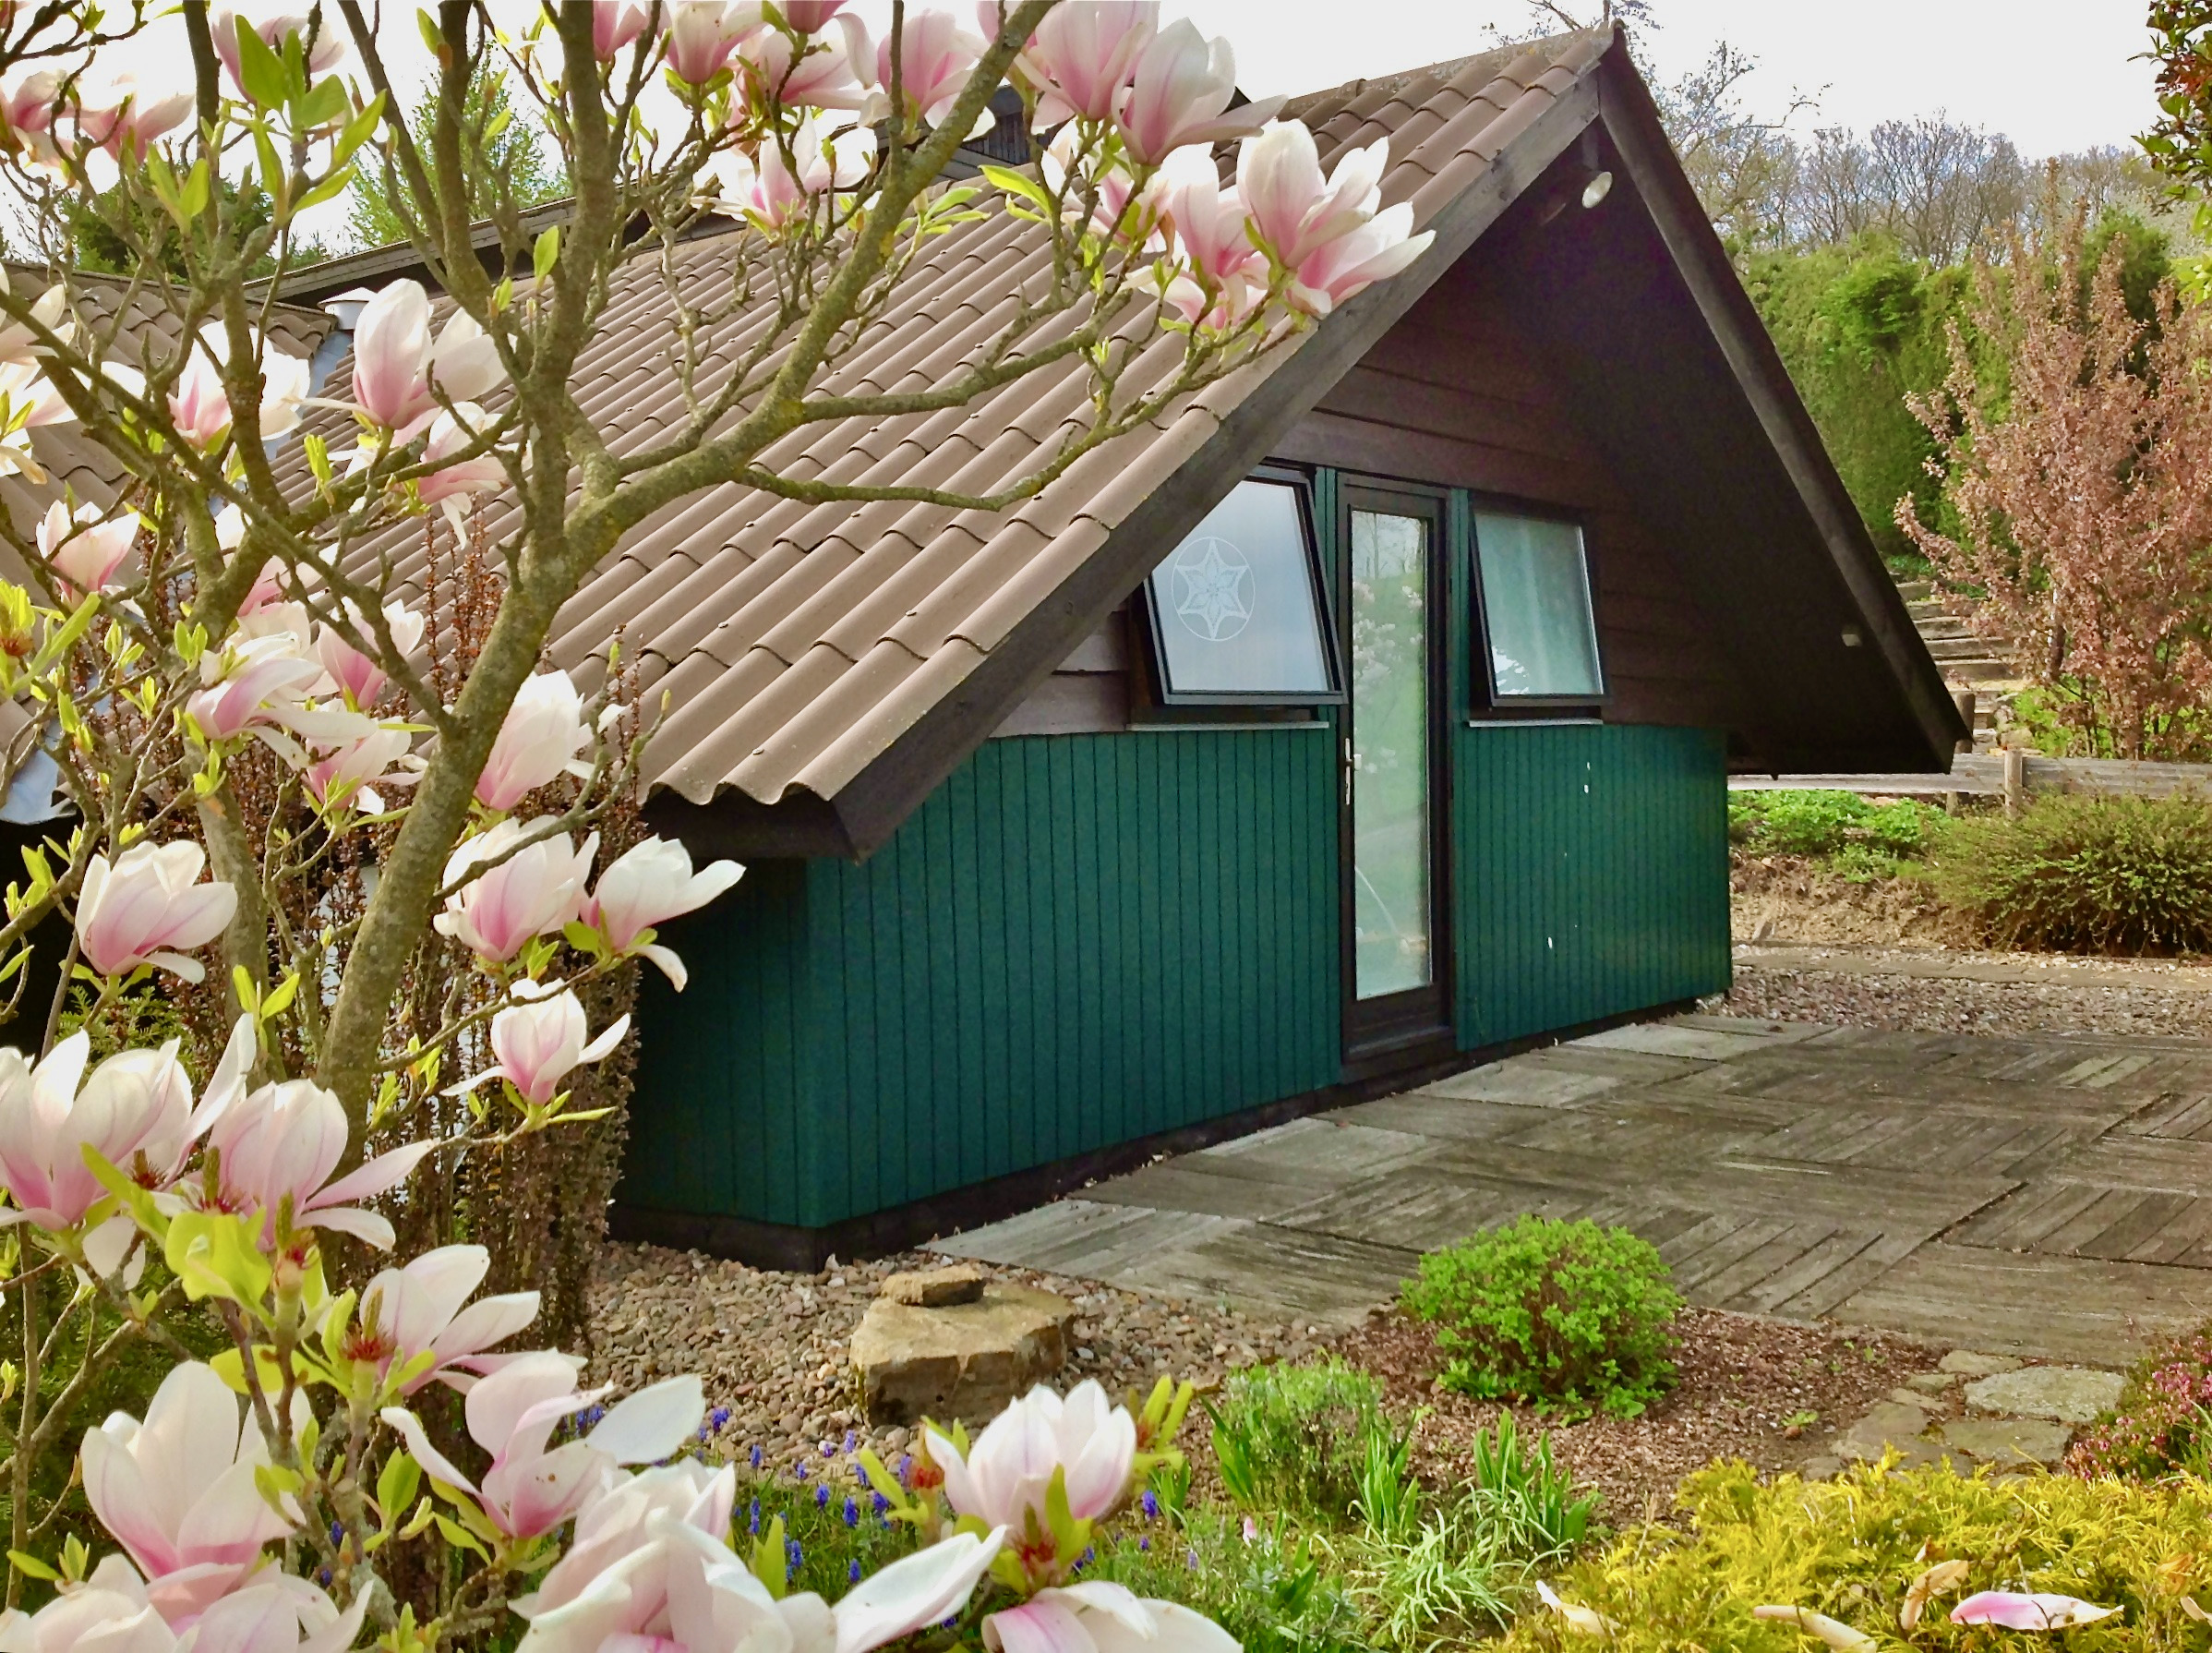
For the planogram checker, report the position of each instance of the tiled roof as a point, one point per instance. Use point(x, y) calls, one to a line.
point(799, 641)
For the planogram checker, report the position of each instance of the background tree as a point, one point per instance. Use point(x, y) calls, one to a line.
point(2073, 442)
point(114, 233)
point(504, 165)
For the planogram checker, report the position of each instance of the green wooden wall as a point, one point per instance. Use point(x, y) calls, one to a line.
point(1079, 940)
point(1591, 872)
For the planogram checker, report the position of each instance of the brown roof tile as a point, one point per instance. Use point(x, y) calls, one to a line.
point(799, 641)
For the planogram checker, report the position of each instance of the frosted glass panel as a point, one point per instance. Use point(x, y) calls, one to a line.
point(1389, 754)
point(1235, 602)
point(1536, 603)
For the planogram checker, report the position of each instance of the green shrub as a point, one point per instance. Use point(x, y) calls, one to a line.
point(1298, 1438)
point(2079, 874)
point(1851, 1548)
point(1834, 826)
point(1568, 1315)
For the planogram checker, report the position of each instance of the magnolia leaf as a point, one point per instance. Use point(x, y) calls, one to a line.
point(547, 253)
point(397, 1484)
point(1019, 185)
point(213, 1255)
point(137, 1200)
point(359, 130)
point(432, 38)
point(459, 1536)
point(330, 188)
point(31, 1565)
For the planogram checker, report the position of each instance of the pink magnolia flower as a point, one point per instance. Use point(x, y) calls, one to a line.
point(535, 891)
point(117, 116)
point(282, 1142)
point(1083, 56)
point(274, 28)
point(147, 909)
point(201, 411)
point(1099, 1617)
point(543, 733)
point(780, 187)
point(701, 34)
point(2018, 1612)
point(352, 772)
point(539, 1040)
point(107, 1613)
point(1112, 189)
point(684, 1592)
point(398, 371)
point(935, 58)
point(1376, 250)
point(1294, 214)
point(1203, 224)
point(27, 104)
point(1179, 94)
point(356, 674)
point(648, 884)
point(85, 547)
point(135, 1110)
point(178, 1490)
point(18, 341)
point(827, 76)
point(615, 23)
point(528, 1490)
point(618, 1522)
point(1004, 1476)
point(263, 683)
point(807, 15)
point(420, 1310)
point(284, 1615)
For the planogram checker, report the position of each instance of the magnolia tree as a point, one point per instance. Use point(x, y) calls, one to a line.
point(354, 828)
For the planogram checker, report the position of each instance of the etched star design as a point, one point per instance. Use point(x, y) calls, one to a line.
point(1213, 592)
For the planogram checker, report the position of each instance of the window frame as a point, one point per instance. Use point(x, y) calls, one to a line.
point(1485, 693)
point(1168, 699)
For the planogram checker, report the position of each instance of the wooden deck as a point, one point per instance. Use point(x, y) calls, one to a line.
point(2047, 1196)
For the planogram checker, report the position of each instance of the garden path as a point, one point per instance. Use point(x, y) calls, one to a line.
point(2047, 1197)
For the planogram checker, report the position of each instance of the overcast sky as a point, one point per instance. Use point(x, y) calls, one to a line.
point(2055, 75)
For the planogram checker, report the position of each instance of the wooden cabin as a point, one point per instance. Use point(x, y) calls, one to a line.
point(1368, 718)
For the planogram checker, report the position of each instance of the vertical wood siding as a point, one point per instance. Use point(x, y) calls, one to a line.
point(1593, 868)
point(1079, 940)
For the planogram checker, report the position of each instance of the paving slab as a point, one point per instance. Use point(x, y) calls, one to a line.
point(2062, 1393)
point(2041, 1198)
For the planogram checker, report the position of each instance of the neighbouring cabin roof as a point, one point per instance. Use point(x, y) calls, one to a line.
point(140, 319)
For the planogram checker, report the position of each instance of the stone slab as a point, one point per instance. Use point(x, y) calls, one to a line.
point(2008, 1441)
point(1966, 1363)
point(2063, 1393)
point(1889, 1424)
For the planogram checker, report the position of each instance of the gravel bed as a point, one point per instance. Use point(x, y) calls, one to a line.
point(1745, 1386)
point(2078, 1004)
point(772, 1348)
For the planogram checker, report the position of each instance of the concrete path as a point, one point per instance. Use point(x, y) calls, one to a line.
point(2047, 1197)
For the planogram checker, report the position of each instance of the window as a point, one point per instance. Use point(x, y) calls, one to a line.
point(1236, 608)
point(1535, 592)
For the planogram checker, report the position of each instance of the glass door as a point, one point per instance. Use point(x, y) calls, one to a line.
point(1392, 758)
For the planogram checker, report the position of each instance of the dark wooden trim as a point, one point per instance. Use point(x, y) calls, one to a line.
point(1631, 120)
point(873, 805)
point(902, 1228)
point(734, 825)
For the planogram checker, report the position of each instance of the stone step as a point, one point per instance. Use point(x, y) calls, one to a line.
point(1960, 648)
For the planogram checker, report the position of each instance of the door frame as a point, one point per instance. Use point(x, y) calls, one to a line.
point(1383, 1032)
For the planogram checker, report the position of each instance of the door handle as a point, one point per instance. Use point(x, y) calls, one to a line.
point(1347, 771)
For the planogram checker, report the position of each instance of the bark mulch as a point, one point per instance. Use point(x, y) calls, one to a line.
point(1746, 1386)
